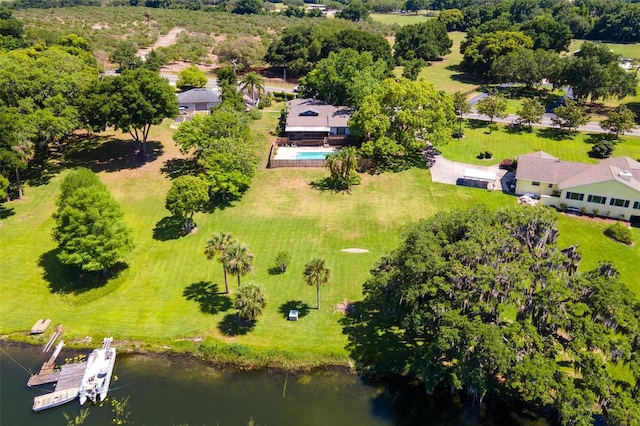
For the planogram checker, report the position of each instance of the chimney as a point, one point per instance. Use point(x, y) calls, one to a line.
point(626, 175)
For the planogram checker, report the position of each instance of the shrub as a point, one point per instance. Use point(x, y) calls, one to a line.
point(458, 134)
point(488, 155)
point(602, 149)
point(282, 261)
point(255, 114)
point(619, 232)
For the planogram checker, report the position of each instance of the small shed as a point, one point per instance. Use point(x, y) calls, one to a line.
point(199, 99)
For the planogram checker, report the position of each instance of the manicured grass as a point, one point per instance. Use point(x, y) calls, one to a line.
point(280, 212)
point(445, 74)
point(505, 144)
point(398, 19)
point(626, 50)
point(594, 246)
point(169, 290)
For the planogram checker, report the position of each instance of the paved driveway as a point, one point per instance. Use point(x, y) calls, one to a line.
point(447, 171)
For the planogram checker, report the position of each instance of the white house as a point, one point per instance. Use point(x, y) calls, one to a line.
point(610, 188)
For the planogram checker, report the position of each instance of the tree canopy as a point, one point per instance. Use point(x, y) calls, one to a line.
point(360, 41)
point(297, 49)
point(187, 195)
point(191, 77)
point(89, 226)
point(344, 78)
point(486, 302)
point(224, 149)
point(427, 41)
point(619, 120)
point(547, 33)
point(527, 66)
point(355, 11)
point(409, 112)
point(570, 116)
point(131, 102)
point(594, 73)
point(481, 51)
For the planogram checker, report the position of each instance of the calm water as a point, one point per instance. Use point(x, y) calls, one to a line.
point(166, 390)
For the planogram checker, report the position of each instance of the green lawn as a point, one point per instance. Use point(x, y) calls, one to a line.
point(505, 144)
point(168, 292)
point(397, 19)
point(626, 50)
point(445, 74)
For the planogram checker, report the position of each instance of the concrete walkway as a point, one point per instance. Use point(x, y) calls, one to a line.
point(451, 172)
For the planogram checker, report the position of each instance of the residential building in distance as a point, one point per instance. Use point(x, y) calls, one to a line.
point(198, 100)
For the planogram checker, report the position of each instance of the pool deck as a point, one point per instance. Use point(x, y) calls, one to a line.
point(289, 153)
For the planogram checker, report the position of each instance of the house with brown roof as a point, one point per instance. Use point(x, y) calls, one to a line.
point(612, 187)
point(315, 123)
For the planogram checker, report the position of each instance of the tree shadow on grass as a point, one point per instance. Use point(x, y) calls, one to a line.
point(477, 124)
point(552, 133)
point(323, 184)
point(231, 325)
point(111, 155)
point(373, 343)
point(464, 77)
point(6, 212)
point(275, 270)
point(168, 228)
point(300, 306)
point(65, 279)
point(211, 300)
point(176, 167)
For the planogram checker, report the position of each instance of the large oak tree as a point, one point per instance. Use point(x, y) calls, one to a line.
point(131, 102)
point(486, 302)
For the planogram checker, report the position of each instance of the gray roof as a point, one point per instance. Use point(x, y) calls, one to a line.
point(198, 96)
point(543, 167)
point(312, 114)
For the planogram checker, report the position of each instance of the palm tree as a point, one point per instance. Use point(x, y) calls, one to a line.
point(252, 82)
point(316, 274)
point(238, 260)
point(250, 301)
point(343, 165)
point(218, 245)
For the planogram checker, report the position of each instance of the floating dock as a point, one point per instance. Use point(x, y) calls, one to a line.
point(68, 380)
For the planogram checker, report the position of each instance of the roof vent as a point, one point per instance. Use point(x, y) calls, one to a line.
point(626, 175)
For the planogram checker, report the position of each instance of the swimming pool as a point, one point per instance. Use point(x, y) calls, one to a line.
point(303, 153)
point(316, 155)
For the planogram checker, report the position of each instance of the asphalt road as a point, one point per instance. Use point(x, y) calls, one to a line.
point(592, 127)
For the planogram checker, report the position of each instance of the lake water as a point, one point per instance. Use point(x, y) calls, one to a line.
point(167, 390)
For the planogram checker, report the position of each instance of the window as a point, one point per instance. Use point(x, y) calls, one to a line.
point(341, 130)
point(636, 205)
point(597, 199)
point(618, 202)
point(574, 196)
point(534, 183)
point(550, 185)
